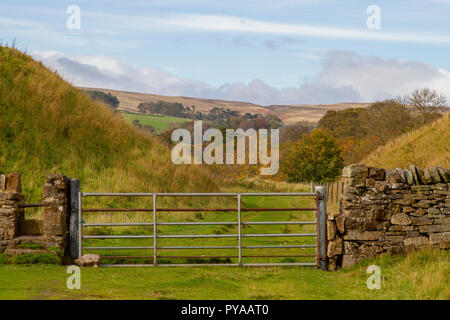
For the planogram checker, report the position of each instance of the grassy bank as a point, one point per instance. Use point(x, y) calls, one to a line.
point(421, 275)
point(425, 147)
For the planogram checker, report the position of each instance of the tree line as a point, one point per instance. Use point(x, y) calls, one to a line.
point(220, 116)
point(107, 98)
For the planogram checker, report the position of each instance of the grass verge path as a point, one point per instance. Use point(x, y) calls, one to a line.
point(421, 275)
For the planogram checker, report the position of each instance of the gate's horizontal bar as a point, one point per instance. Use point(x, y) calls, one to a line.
point(117, 248)
point(31, 205)
point(193, 223)
point(198, 236)
point(278, 264)
point(114, 194)
point(278, 209)
point(214, 257)
point(195, 194)
point(209, 265)
point(278, 194)
point(170, 265)
point(280, 235)
point(232, 210)
point(118, 224)
point(277, 222)
point(196, 247)
point(202, 236)
point(89, 194)
point(281, 247)
point(117, 210)
point(242, 194)
point(193, 210)
point(118, 237)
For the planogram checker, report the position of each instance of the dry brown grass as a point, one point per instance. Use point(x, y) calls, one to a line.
point(421, 275)
point(425, 147)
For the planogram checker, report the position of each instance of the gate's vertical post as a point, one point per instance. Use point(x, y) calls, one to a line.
point(239, 228)
point(155, 253)
point(80, 226)
point(321, 190)
point(74, 221)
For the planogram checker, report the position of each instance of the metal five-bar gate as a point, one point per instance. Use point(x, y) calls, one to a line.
point(77, 225)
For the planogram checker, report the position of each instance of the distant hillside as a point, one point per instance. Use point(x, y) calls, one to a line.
point(425, 147)
point(313, 113)
point(130, 101)
point(288, 113)
point(47, 126)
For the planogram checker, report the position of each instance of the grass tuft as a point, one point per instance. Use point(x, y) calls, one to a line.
point(35, 258)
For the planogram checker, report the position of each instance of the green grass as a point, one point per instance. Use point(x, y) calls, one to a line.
point(421, 275)
point(159, 123)
point(35, 258)
point(30, 246)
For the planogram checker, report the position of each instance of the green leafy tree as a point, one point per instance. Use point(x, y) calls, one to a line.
point(107, 98)
point(317, 157)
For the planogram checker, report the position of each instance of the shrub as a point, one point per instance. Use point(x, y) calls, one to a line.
point(317, 157)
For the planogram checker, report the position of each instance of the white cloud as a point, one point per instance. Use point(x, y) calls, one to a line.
point(345, 77)
point(222, 23)
point(108, 72)
point(374, 78)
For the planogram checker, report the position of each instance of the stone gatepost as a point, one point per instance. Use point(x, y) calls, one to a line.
point(55, 211)
point(11, 214)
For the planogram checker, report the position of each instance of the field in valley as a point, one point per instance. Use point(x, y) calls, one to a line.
point(159, 123)
point(288, 113)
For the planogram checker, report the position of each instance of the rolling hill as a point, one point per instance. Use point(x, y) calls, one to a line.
point(425, 147)
point(48, 126)
point(288, 113)
point(306, 112)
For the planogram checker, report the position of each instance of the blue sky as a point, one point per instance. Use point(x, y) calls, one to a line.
point(266, 51)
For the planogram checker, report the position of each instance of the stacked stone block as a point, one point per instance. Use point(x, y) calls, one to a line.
point(11, 215)
point(389, 211)
point(55, 210)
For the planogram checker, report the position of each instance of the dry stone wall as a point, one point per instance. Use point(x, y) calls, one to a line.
point(17, 233)
point(11, 198)
point(388, 211)
point(56, 209)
